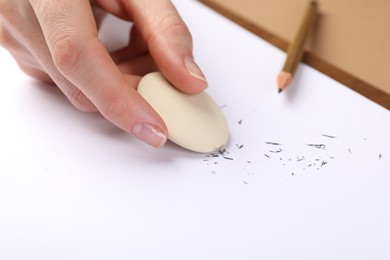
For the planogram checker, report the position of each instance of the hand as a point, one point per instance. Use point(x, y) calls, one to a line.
point(57, 40)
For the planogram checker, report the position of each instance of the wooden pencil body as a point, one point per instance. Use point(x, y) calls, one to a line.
point(296, 48)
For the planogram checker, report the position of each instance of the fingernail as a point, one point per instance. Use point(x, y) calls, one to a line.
point(194, 69)
point(149, 134)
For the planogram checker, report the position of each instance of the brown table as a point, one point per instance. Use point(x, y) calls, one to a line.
point(350, 41)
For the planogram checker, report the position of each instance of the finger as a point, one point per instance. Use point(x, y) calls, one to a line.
point(167, 37)
point(70, 32)
point(138, 66)
point(22, 56)
point(136, 47)
point(23, 37)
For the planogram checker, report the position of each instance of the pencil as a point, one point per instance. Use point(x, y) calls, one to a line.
point(296, 47)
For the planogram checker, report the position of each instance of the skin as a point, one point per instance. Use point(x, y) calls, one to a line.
point(57, 41)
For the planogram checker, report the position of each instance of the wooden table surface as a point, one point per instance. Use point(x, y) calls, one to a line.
point(340, 54)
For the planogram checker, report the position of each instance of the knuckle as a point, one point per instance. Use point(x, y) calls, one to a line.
point(79, 100)
point(169, 24)
point(35, 73)
point(65, 53)
point(113, 106)
point(172, 22)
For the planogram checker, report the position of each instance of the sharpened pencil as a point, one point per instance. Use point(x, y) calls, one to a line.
point(296, 47)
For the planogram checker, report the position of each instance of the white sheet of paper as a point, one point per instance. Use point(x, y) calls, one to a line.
point(72, 186)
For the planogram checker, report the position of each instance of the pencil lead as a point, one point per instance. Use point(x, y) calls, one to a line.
point(280, 90)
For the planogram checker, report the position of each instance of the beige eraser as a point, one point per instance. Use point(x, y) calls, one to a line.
point(194, 122)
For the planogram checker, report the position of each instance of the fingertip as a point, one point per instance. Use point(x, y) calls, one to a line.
point(185, 75)
point(131, 112)
point(199, 79)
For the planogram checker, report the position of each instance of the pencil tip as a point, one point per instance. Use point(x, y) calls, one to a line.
point(284, 80)
point(280, 90)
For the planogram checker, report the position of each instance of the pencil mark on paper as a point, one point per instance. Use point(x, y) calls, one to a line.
point(318, 146)
point(239, 146)
point(313, 159)
point(277, 151)
point(273, 143)
point(329, 136)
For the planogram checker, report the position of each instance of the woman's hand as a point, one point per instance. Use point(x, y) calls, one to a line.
point(57, 40)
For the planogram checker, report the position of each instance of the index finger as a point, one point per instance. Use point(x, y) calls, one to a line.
point(71, 35)
point(167, 36)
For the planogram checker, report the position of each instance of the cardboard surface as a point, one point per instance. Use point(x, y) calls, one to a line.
point(350, 34)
